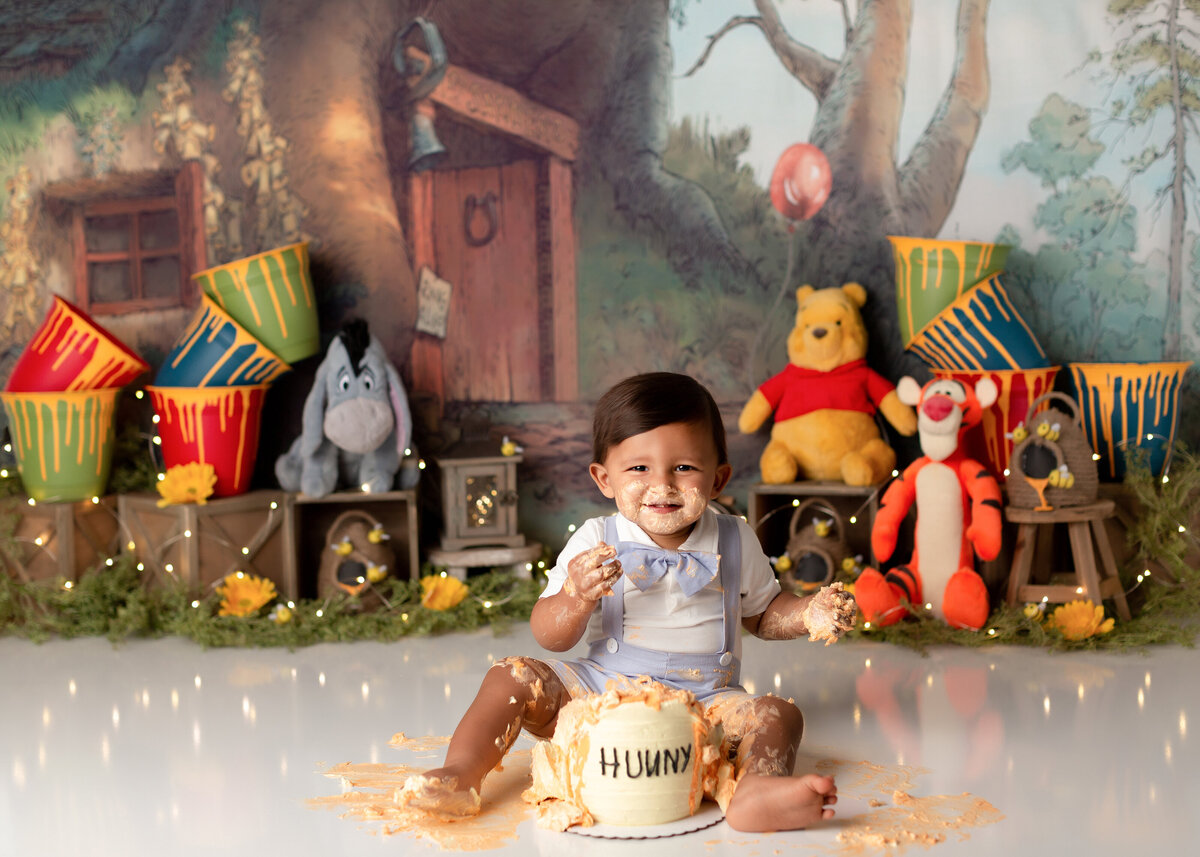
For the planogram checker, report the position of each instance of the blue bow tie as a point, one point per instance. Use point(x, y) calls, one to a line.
point(645, 566)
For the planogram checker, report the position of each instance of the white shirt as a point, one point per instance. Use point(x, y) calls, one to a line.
point(662, 618)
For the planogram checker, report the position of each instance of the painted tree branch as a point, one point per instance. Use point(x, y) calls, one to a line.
point(930, 178)
point(814, 70)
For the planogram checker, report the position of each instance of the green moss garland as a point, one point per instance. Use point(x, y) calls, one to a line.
point(113, 602)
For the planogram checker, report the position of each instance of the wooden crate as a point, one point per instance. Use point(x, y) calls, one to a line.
point(53, 541)
point(200, 545)
point(313, 516)
point(769, 512)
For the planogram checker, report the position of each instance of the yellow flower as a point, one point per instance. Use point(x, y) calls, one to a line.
point(1078, 620)
point(442, 592)
point(281, 615)
point(187, 483)
point(242, 594)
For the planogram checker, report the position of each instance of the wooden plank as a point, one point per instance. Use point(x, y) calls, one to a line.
point(1022, 561)
point(492, 106)
point(80, 263)
point(1111, 579)
point(560, 197)
point(1057, 592)
point(1060, 514)
point(189, 200)
point(426, 354)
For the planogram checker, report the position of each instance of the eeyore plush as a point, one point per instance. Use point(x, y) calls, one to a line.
point(356, 424)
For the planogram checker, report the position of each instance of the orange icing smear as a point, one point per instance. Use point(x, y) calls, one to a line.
point(371, 791)
point(897, 819)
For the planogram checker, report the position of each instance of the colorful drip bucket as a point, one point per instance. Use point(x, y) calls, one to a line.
point(214, 425)
point(932, 274)
point(271, 295)
point(990, 442)
point(981, 330)
point(216, 351)
point(70, 352)
point(63, 442)
point(1126, 405)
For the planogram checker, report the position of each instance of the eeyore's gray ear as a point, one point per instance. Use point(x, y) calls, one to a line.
point(400, 408)
point(313, 422)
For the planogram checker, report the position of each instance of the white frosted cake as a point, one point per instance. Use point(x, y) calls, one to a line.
point(641, 756)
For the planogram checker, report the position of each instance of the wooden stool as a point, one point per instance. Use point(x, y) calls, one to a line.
point(1084, 524)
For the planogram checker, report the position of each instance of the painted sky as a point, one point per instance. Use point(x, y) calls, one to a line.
point(1035, 48)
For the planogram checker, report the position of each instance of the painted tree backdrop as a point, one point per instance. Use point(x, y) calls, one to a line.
point(1064, 129)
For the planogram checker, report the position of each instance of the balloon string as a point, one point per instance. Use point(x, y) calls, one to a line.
point(759, 340)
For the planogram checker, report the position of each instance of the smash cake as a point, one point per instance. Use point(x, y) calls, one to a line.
point(641, 755)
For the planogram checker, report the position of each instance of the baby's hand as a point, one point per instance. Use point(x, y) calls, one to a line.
point(588, 575)
point(830, 613)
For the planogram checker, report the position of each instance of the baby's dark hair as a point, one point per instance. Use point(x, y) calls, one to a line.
point(642, 403)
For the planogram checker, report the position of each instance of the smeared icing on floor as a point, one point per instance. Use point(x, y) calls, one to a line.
point(895, 818)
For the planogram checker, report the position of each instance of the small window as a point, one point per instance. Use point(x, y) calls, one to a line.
point(137, 253)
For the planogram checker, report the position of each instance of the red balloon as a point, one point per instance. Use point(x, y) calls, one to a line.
point(801, 181)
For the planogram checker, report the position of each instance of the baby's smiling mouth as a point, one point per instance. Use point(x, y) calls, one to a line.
point(662, 506)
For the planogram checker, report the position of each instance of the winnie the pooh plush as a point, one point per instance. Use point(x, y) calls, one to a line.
point(825, 400)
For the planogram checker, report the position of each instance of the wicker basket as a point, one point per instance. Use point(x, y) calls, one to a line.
point(816, 546)
point(349, 552)
point(1039, 453)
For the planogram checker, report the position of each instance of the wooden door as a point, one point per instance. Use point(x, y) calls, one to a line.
point(485, 243)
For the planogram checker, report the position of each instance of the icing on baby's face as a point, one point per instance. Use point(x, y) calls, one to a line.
point(662, 479)
point(660, 510)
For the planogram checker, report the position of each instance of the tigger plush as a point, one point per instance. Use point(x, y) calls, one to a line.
point(958, 508)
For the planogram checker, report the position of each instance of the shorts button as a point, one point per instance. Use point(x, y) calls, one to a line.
point(726, 659)
point(611, 645)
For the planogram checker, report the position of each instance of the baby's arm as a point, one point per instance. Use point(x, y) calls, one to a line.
point(559, 621)
point(825, 615)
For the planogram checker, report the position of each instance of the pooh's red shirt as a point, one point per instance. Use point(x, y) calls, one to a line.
point(852, 387)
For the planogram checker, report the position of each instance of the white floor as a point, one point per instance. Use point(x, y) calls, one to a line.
point(159, 747)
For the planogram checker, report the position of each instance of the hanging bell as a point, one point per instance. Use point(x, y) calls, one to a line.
point(425, 149)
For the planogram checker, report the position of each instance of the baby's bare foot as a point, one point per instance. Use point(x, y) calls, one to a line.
point(761, 803)
point(438, 797)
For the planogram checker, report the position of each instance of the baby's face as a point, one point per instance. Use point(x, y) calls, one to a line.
point(663, 479)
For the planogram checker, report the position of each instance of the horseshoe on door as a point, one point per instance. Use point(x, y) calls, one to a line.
point(488, 204)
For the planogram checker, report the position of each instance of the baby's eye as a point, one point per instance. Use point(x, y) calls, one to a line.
point(684, 467)
point(638, 468)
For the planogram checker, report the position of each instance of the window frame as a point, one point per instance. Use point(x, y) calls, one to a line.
point(189, 248)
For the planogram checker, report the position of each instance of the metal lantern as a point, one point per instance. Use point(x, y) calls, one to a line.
point(479, 499)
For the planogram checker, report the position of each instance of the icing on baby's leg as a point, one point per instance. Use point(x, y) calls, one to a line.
point(515, 693)
point(767, 732)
